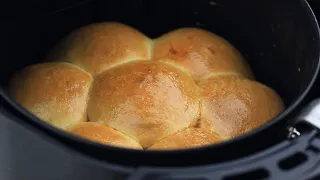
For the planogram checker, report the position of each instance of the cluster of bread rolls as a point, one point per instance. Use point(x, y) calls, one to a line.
point(109, 83)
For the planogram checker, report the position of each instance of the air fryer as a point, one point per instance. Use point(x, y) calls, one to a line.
point(279, 39)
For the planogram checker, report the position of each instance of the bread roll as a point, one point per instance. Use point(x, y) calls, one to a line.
point(201, 52)
point(100, 46)
point(103, 134)
point(185, 139)
point(232, 105)
point(109, 83)
point(145, 100)
point(55, 92)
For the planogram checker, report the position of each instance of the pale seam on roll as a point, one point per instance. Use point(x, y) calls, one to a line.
point(121, 63)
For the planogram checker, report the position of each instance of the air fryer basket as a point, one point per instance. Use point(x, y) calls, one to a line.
point(279, 38)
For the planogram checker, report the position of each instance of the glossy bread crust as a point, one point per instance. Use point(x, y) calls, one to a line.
point(55, 92)
point(109, 83)
point(146, 100)
point(201, 52)
point(103, 134)
point(98, 47)
point(186, 139)
point(233, 105)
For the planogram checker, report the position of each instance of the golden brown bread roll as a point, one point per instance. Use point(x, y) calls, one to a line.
point(201, 52)
point(55, 92)
point(187, 88)
point(103, 134)
point(232, 105)
point(145, 100)
point(185, 139)
point(97, 47)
